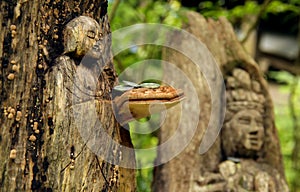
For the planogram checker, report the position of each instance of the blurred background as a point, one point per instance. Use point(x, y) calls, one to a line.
point(269, 31)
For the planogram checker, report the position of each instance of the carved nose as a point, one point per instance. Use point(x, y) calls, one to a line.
point(254, 126)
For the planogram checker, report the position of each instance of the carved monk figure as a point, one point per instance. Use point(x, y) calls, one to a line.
point(83, 60)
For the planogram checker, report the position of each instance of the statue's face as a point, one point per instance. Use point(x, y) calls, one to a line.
point(89, 40)
point(247, 126)
point(82, 36)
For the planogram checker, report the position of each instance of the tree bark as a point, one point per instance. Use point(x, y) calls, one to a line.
point(216, 170)
point(42, 145)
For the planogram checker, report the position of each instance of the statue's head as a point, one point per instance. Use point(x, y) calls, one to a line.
point(81, 37)
point(243, 132)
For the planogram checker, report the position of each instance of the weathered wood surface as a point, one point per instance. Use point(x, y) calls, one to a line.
point(42, 148)
point(256, 165)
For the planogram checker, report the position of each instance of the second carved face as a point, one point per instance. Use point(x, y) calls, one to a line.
point(248, 124)
point(243, 135)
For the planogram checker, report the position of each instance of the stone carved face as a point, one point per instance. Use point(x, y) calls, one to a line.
point(243, 135)
point(81, 37)
point(248, 124)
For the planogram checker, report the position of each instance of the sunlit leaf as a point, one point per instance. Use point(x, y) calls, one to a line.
point(150, 85)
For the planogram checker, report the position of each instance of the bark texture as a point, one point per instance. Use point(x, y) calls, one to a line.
point(42, 146)
point(250, 163)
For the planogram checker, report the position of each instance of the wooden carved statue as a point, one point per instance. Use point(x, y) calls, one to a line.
point(243, 130)
point(81, 112)
point(243, 136)
point(242, 166)
point(84, 75)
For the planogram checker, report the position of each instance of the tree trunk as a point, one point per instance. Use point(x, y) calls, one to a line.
point(232, 163)
point(47, 140)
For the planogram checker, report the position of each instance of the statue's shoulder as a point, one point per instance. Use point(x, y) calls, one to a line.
point(62, 60)
point(62, 64)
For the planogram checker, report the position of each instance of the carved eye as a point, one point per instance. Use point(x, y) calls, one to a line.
point(244, 120)
point(91, 34)
point(259, 122)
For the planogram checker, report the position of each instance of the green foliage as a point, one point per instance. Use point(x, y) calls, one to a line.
point(216, 10)
point(133, 12)
point(144, 158)
point(250, 8)
point(284, 124)
point(209, 9)
point(284, 121)
point(282, 77)
point(279, 7)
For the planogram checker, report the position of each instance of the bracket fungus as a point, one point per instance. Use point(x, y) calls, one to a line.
point(142, 101)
